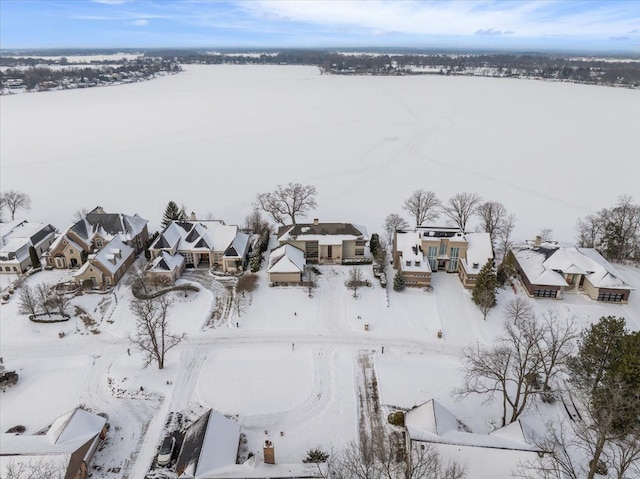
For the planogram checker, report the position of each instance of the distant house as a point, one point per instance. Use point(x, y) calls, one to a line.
point(67, 446)
point(419, 253)
point(204, 243)
point(286, 264)
point(106, 267)
point(548, 270)
point(493, 455)
point(210, 451)
point(16, 238)
point(328, 243)
point(92, 233)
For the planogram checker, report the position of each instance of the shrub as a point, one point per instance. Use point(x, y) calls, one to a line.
point(398, 282)
point(396, 418)
point(315, 455)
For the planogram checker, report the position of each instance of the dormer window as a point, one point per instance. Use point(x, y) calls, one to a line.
point(408, 262)
point(416, 263)
point(99, 243)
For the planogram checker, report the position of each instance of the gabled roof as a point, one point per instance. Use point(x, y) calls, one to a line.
point(209, 235)
point(111, 257)
point(166, 262)
point(479, 251)
point(324, 233)
point(20, 233)
point(238, 247)
point(409, 246)
point(286, 259)
point(107, 225)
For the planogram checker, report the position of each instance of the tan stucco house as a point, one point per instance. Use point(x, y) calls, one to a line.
point(92, 233)
point(16, 238)
point(548, 270)
point(419, 253)
point(105, 268)
point(328, 243)
point(286, 264)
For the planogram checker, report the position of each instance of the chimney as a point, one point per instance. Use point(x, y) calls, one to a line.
point(269, 453)
point(193, 216)
point(315, 221)
point(99, 210)
point(537, 241)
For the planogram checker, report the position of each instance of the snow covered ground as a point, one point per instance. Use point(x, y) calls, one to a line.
point(289, 366)
point(551, 152)
point(286, 363)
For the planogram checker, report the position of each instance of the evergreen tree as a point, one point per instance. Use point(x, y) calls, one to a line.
point(171, 213)
point(398, 282)
point(374, 243)
point(484, 292)
point(35, 261)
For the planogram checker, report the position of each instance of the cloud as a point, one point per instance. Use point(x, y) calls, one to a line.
point(140, 22)
point(492, 31)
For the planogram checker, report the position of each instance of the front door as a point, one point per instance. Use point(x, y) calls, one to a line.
point(329, 251)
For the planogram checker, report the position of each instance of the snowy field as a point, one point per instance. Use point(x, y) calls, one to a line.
point(214, 136)
point(287, 366)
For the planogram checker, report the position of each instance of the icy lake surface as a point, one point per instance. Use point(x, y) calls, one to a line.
point(213, 136)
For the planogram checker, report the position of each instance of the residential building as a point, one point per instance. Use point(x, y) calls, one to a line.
point(105, 268)
point(419, 253)
point(204, 243)
point(549, 270)
point(286, 264)
point(92, 233)
point(16, 239)
point(328, 243)
point(66, 447)
point(497, 454)
point(210, 451)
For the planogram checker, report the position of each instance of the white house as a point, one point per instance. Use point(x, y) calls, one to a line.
point(16, 238)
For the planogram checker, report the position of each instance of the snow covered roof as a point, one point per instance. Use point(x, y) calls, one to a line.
point(107, 225)
point(206, 235)
point(238, 247)
point(432, 422)
point(112, 256)
point(67, 434)
point(479, 251)
point(409, 246)
point(324, 233)
point(18, 235)
point(166, 262)
point(546, 264)
point(286, 259)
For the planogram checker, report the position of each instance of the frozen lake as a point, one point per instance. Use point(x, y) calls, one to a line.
point(213, 136)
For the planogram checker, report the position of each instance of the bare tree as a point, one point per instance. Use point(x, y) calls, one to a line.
point(423, 205)
point(355, 280)
point(507, 369)
point(42, 291)
point(392, 223)
point(247, 283)
point(28, 302)
point(310, 277)
point(555, 346)
point(79, 214)
point(34, 468)
point(287, 202)
point(492, 218)
point(590, 231)
point(504, 235)
point(519, 308)
point(15, 200)
point(623, 455)
point(461, 207)
point(152, 334)
point(60, 302)
point(256, 222)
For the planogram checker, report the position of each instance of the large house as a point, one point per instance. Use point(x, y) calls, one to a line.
point(64, 449)
point(328, 243)
point(17, 238)
point(202, 243)
point(210, 450)
point(419, 253)
point(105, 268)
point(494, 455)
point(548, 270)
point(92, 233)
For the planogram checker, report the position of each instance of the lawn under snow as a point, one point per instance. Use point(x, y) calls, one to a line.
point(213, 136)
point(289, 367)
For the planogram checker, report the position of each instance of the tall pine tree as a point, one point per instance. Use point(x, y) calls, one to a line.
point(484, 292)
point(171, 213)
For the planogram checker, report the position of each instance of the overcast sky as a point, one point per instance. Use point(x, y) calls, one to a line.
point(590, 26)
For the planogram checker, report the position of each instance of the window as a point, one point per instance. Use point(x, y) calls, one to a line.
point(612, 297)
point(432, 254)
point(6, 268)
point(70, 251)
point(545, 293)
point(359, 247)
point(15, 269)
point(443, 249)
point(99, 243)
point(453, 263)
point(188, 257)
